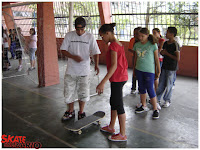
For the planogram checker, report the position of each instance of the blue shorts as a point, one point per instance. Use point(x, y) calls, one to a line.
point(146, 82)
point(32, 53)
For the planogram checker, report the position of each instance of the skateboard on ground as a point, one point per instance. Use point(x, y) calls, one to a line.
point(82, 123)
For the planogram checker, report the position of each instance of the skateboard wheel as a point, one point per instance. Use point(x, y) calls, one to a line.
point(79, 132)
point(99, 122)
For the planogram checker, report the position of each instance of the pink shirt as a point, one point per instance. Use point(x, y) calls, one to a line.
point(121, 73)
point(33, 41)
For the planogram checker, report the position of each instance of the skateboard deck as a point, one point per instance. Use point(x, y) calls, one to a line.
point(82, 123)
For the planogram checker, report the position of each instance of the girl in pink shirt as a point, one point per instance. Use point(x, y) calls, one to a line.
point(117, 74)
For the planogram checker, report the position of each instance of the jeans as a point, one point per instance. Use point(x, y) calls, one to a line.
point(165, 85)
point(12, 49)
point(146, 82)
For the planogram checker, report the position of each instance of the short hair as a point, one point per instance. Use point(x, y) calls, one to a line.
point(172, 30)
point(138, 28)
point(80, 21)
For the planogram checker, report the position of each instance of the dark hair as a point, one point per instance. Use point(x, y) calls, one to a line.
point(138, 28)
point(107, 28)
point(151, 38)
point(172, 30)
point(80, 21)
point(33, 31)
point(158, 30)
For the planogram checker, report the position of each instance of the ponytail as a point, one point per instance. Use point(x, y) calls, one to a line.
point(151, 38)
point(107, 28)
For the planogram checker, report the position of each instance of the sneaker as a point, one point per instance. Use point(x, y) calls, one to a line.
point(9, 67)
point(155, 114)
point(108, 130)
point(81, 116)
point(6, 69)
point(166, 104)
point(158, 106)
point(133, 91)
point(173, 87)
point(117, 138)
point(19, 68)
point(31, 68)
point(138, 105)
point(141, 109)
point(68, 115)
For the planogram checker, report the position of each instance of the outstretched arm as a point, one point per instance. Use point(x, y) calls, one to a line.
point(109, 74)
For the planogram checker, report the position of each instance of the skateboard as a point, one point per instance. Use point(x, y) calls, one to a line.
point(82, 123)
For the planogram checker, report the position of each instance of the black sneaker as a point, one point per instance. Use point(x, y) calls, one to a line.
point(155, 114)
point(141, 109)
point(68, 115)
point(82, 115)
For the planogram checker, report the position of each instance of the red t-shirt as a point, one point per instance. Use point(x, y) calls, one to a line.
point(159, 42)
point(121, 73)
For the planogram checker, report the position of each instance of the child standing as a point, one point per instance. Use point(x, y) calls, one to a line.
point(20, 41)
point(77, 46)
point(32, 45)
point(5, 47)
point(171, 53)
point(130, 48)
point(117, 74)
point(146, 62)
point(160, 42)
point(12, 42)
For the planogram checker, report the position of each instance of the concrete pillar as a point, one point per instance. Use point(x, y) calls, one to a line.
point(8, 16)
point(71, 14)
point(48, 71)
point(104, 12)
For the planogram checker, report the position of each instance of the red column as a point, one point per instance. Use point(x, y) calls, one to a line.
point(8, 16)
point(48, 71)
point(104, 12)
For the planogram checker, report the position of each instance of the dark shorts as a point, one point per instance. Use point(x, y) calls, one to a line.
point(18, 54)
point(5, 55)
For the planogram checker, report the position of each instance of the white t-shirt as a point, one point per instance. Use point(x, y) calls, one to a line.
point(33, 41)
point(5, 38)
point(82, 46)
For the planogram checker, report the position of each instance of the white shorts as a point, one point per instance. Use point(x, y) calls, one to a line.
point(76, 85)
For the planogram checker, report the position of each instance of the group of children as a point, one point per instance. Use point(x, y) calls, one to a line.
point(16, 46)
point(147, 50)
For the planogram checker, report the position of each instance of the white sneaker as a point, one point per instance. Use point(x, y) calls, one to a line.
point(9, 67)
point(158, 106)
point(133, 91)
point(166, 104)
point(20, 69)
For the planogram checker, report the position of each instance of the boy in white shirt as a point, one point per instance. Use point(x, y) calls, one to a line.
point(77, 46)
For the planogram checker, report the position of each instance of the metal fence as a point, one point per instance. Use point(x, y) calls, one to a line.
point(89, 10)
point(126, 14)
point(182, 15)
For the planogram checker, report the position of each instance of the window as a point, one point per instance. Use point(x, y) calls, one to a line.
point(131, 14)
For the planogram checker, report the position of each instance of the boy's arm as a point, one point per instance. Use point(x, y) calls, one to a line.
point(74, 57)
point(176, 57)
